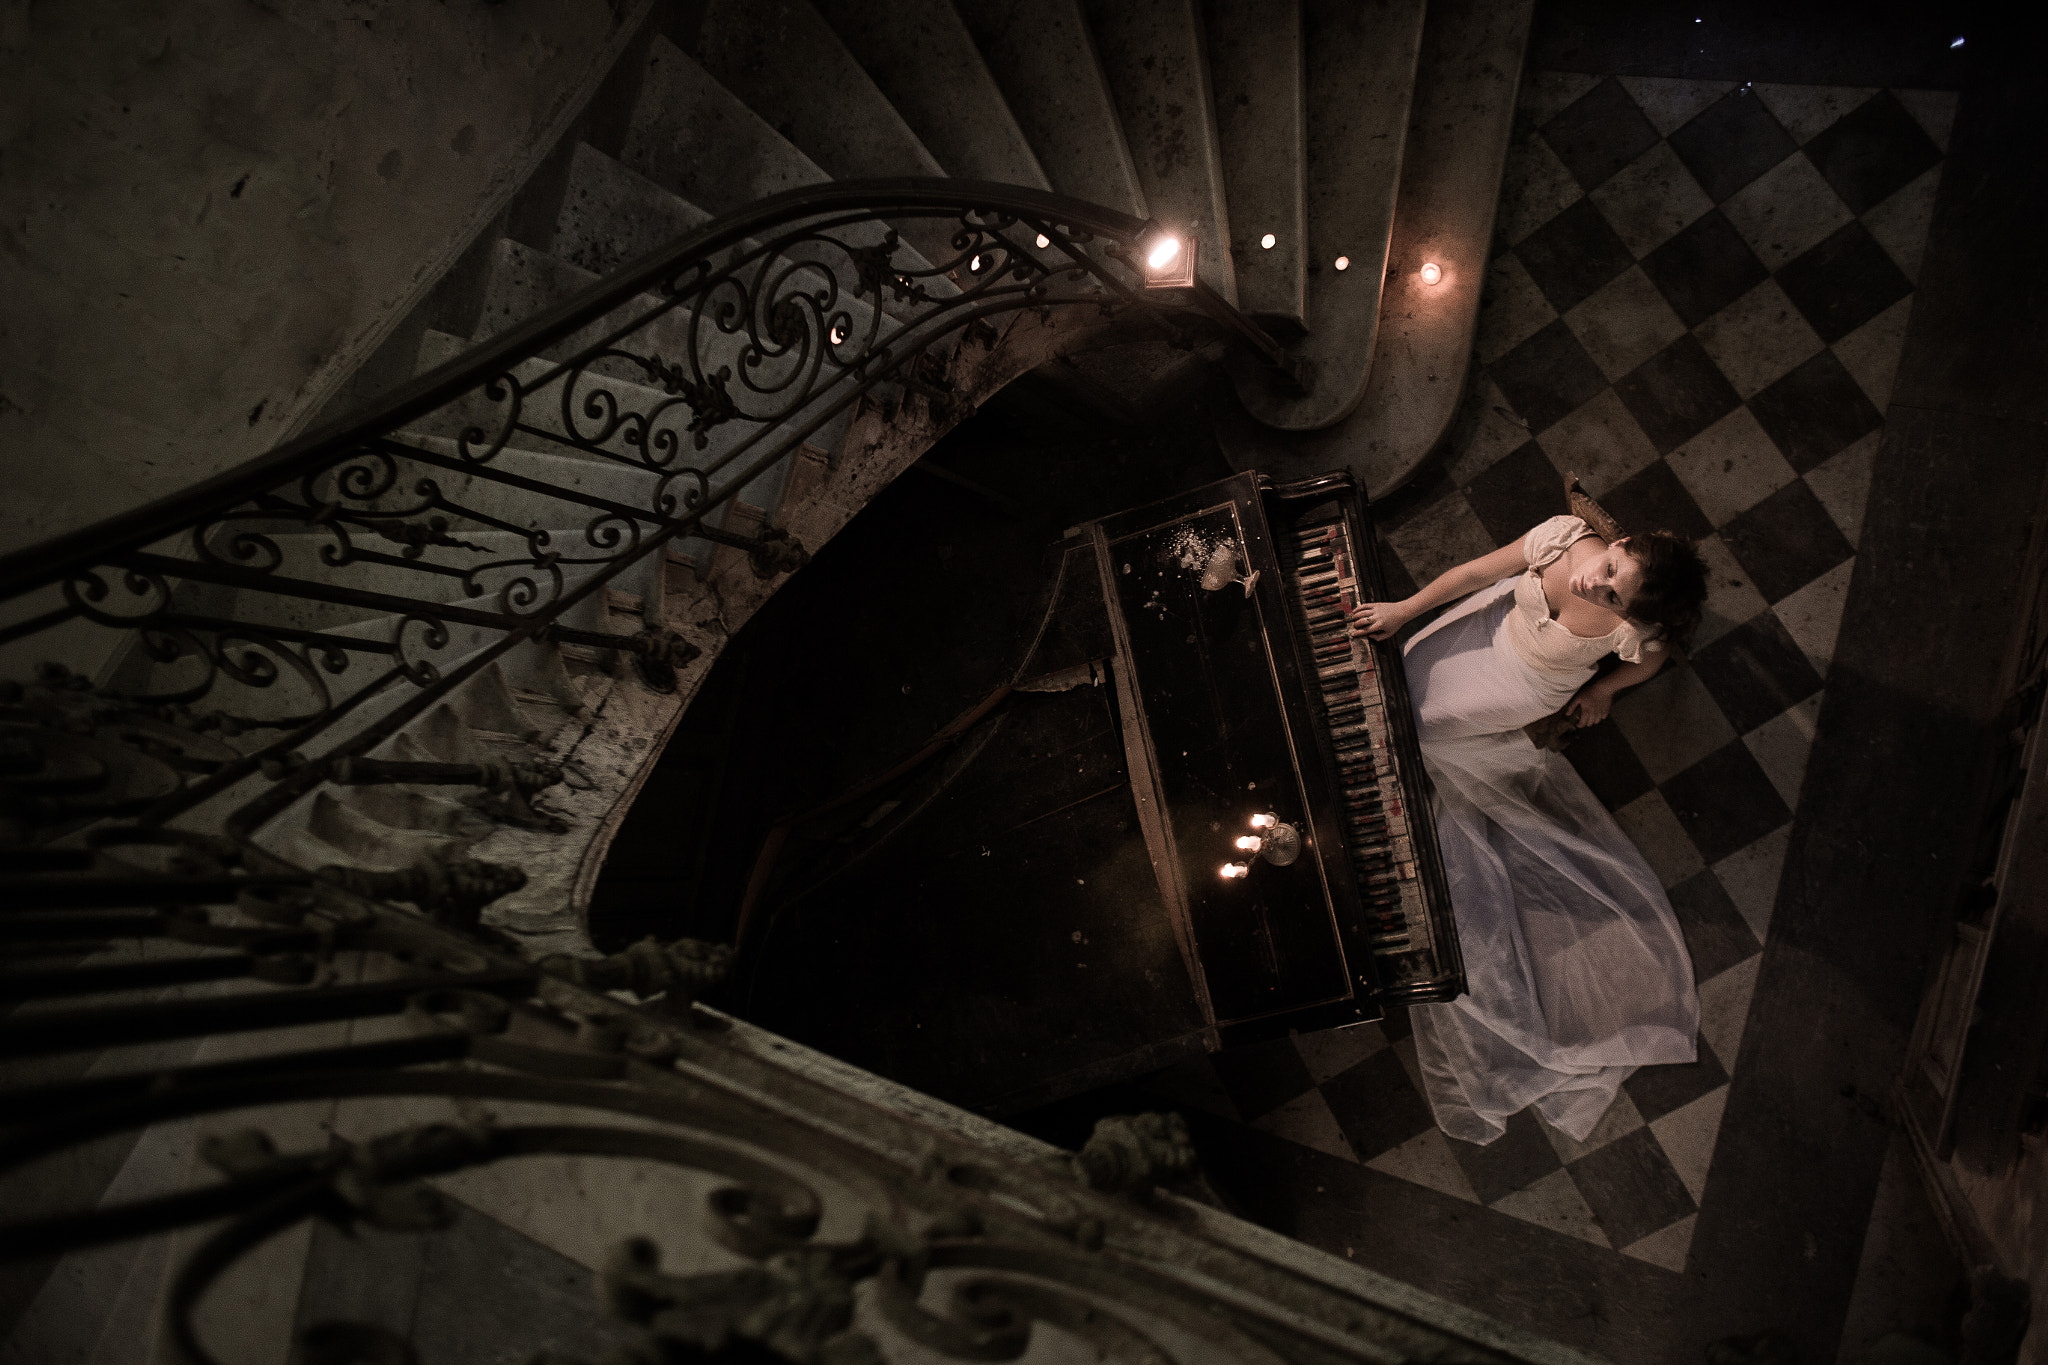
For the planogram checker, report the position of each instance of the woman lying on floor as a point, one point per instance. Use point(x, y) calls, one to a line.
point(1576, 971)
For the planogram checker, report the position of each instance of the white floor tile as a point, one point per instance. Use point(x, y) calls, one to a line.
point(1786, 211)
point(1554, 1202)
point(1871, 352)
point(1731, 598)
point(1426, 1160)
point(1757, 339)
point(1535, 187)
point(1687, 1137)
point(1809, 110)
point(1900, 222)
point(1664, 844)
point(1440, 536)
point(1750, 877)
point(1307, 1119)
point(1651, 199)
point(1667, 1248)
point(1622, 1118)
point(1670, 104)
point(1601, 441)
point(1485, 430)
point(1511, 309)
point(1624, 323)
point(1731, 466)
point(1672, 722)
point(1813, 615)
point(1780, 746)
point(1331, 1052)
point(1842, 484)
point(1546, 94)
point(1724, 1009)
point(1935, 110)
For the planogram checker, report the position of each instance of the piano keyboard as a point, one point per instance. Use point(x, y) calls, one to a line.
point(1375, 819)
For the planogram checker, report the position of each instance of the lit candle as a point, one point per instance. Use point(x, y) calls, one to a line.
point(1248, 842)
point(1261, 821)
point(1231, 870)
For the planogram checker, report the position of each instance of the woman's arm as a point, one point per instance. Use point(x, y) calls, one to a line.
point(1596, 698)
point(1382, 619)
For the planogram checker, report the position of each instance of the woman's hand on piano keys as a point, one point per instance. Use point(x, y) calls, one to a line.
point(1378, 620)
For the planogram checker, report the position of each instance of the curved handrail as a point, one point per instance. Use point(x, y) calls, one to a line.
point(689, 373)
point(49, 561)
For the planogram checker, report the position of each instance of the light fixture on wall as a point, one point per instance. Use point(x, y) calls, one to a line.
point(1268, 241)
point(1169, 261)
point(1432, 273)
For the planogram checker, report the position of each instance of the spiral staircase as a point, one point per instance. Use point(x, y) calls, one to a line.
point(369, 709)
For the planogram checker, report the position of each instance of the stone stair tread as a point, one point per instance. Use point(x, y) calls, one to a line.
point(1158, 69)
point(1460, 127)
point(784, 61)
point(612, 215)
point(1043, 59)
point(1361, 63)
point(1255, 64)
point(923, 59)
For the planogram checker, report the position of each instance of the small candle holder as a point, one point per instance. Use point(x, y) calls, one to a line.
point(1278, 842)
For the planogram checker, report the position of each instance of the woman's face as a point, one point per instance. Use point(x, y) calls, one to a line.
point(1608, 579)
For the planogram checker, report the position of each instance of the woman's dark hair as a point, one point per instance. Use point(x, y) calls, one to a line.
point(1674, 585)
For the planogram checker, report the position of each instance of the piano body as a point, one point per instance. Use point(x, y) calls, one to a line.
point(1042, 911)
point(1243, 694)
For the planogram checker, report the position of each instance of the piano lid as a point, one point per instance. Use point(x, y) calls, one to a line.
point(1218, 728)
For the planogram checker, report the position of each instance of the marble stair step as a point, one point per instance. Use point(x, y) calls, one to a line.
point(786, 64)
point(1361, 62)
point(922, 58)
point(1157, 64)
point(1042, 58)
point(1255, 64)
point(612, 215)
point(1460, 126)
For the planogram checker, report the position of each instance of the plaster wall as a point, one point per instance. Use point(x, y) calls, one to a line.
point(212, 210)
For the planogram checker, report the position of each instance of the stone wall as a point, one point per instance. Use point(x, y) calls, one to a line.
point(212, 210)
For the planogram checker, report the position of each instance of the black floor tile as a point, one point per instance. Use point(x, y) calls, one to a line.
point(1262, 1077)
point(1724, 802)
point(1521, 489)
point(1376, 1105)
point(1872, 152)
point(1815, 411)
point(1844, 282)
point(1731, 143)
point(1513, 1161)
point(1602, 756)
point(1600, 133)
point(1548, 376)
point(1715, 933)
point(1659, 1090)
point(1756, 671)
point(1399, 582)
point(1654, 499)
point(1572, 255)
point(1704, 269)
point(1631, 1188)
point(1677, 393)
point(1786, 541)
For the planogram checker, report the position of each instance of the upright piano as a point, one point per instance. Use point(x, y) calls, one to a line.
point(1250, 711)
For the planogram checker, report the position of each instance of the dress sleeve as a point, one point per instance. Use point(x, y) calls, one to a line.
point(1633, 644)
point(1552, 539)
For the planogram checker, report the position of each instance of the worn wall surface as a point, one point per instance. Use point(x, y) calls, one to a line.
point(211, 210)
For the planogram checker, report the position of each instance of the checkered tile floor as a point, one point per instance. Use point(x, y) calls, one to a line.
point(1698, 303)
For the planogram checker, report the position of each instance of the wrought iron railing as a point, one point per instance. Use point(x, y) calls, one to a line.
point(833, 1226)
point(137, 907)
point(688, 375)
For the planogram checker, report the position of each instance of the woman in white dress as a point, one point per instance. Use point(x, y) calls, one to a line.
point(1576, 971)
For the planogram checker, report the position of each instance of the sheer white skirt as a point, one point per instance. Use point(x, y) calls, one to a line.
point(1576, 970)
